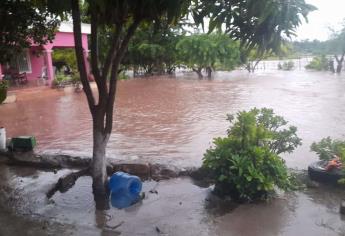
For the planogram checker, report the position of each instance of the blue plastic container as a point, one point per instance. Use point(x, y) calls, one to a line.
point(123, 185)
point(122, 200)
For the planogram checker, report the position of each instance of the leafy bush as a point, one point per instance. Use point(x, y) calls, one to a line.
point(61, 80)
point(65, 56)
point(123, 76)
point(327, 148)
point(318, 63)
point(75, 78)
point(3, 84)
point(3, 90)
point(246, 164)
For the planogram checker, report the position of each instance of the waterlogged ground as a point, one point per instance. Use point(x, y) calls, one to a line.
point(169, 120)
point(172, 120)
point(176, 207)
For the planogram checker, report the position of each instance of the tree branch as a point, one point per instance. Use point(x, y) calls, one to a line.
point(94, 47)
point(101, 83)
point(124, 44)
point(112, 51)
point(80, 54)
point(114, 74)
point(111, 99)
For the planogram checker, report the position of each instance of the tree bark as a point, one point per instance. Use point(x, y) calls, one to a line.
point(339, 62)
point(209, 72)
point(98, 165)
point(198, 72)
point(102, 112)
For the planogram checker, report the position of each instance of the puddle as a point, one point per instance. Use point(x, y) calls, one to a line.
point(171, 207)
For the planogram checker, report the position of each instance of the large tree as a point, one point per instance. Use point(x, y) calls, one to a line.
point(258, 24)
point(336, 47)
point(152, 48)
point(24, 23)
point(208, 51)
point(121, 18)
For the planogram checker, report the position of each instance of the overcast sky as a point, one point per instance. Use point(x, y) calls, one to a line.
point(330, 13)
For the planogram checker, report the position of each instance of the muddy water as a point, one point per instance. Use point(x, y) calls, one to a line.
point(175, 120)
point(177, 207)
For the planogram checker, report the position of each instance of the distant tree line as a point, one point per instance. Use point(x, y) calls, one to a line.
point(161, 51)
point(334, 48)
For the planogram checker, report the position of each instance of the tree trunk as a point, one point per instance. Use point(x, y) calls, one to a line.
point(102, 112)
point(331, 66)
point(98, 167)
point(209, 72)
point(198, 71)
point(339, 62)
point(99, 161)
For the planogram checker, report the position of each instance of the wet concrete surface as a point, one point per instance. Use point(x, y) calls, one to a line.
point(173, 120)
point(177, 207)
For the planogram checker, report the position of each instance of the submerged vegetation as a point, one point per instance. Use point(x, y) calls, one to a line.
point(289, 65)
point(246, 164)
point(320, 63)
point(208, 52)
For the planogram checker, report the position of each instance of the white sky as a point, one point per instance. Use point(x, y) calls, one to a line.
point(330, 13)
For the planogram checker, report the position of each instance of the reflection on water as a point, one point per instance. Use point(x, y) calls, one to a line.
point(175, 120)
point(176, 207)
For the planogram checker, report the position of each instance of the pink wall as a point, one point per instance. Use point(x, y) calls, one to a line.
point(62, 40)
point(37, 63)
point(65, 40)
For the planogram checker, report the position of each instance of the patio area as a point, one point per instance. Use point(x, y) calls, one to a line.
point(34, 66)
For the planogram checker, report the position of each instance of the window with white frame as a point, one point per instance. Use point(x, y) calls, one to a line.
point(22, 62)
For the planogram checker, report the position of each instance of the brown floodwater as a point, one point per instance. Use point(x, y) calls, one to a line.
point(177, 207)
point(173, 120)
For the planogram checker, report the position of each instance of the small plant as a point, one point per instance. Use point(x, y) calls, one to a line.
point(3, 90)
point(4, 84)
point(327, 148)
point(75, 78)
point(122, 76)
point(61, 80)
point(246, 164)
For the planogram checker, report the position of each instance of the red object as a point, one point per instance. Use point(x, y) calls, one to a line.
point(333, 164)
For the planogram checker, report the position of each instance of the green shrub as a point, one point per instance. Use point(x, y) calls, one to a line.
point(122, 76)
point(3, 90)
point(61, 80)
point(246, 164)
point(319, 63)
point(75, 78)
point(326, 148)
point(3, 84)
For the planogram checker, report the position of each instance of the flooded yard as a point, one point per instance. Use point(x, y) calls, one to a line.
point(176, 207)
point(173, 121)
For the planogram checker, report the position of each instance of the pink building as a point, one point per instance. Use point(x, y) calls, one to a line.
point(36, 61)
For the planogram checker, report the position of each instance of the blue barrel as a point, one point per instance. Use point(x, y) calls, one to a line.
point(122, 200)
point(124, 185)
